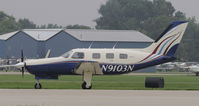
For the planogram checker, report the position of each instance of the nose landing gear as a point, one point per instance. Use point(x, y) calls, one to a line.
point(38, 85)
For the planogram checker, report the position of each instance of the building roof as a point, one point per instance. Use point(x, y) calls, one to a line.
point(41, 34)
point(7, 35)
point(109, 35)
point(85, 35)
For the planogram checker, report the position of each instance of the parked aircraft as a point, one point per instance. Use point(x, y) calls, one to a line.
point(88, 62)
point(194, 69)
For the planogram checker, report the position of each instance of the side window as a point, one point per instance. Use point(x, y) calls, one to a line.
point(78, 55)
point(96, 55)
point(123, 56)
point(109, 55)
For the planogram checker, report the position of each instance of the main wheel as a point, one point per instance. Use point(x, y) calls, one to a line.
point(84, 86)
point(38, 86)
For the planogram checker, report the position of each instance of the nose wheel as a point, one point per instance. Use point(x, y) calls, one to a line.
point(38, 85)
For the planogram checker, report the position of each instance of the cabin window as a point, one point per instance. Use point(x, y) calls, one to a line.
point(96, 55)
point(78, 55)
point(123, 56)
point(109, 55)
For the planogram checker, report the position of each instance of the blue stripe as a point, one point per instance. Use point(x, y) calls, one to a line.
point(165, 45)
point(152, 57)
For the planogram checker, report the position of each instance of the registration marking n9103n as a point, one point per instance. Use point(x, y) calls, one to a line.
point(117, 68)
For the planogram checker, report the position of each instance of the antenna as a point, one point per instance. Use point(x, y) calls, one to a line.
point(90, 45)
point(115, 45)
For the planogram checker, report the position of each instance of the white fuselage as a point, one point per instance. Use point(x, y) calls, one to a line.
point(133, 56)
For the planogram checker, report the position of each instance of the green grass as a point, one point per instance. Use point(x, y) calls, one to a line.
point(116, 82)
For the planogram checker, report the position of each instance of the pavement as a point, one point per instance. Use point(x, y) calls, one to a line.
point(45, 97)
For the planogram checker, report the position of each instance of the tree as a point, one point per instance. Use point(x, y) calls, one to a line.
point(188, 50)
point(131, 14)
point(26, 24)
point(3, 16)
point(49, 26)
point(53, 26)
point(42, 27)
point(7, 23)
point(77, 27)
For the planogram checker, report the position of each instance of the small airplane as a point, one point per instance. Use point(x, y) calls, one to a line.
point(194, 69)
point(88, 62)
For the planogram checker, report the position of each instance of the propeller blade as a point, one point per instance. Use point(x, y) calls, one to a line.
point(22, 60)
point(22, 57)
point(22, 70)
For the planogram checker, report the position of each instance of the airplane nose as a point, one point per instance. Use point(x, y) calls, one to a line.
point(20, 65)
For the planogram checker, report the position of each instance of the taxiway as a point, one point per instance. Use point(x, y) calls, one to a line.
point(45, 97)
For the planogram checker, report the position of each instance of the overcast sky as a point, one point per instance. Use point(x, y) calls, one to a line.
point(65, 12)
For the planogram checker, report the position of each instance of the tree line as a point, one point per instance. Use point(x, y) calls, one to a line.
point(9, 24)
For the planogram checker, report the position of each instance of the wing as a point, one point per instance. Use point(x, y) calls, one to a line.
point(92, 67)
point(18, 65)
point(7, 66)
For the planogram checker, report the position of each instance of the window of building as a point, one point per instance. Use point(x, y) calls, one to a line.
point(123, 56)
point(109, 55)
point(78, 55)
point(96, 55)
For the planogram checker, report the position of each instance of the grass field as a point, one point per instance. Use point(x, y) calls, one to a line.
point(116, 82)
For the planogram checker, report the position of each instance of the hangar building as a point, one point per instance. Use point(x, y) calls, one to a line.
point(36, 42)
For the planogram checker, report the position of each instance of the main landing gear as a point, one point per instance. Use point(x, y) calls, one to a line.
point(84, 86)
point(87, 79)
point(38, 85)
point(87, 70)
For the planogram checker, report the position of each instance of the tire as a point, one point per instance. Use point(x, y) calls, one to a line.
point(84, 86)
point(38, 86)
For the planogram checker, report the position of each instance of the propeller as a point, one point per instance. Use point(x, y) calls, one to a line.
point(22, 60)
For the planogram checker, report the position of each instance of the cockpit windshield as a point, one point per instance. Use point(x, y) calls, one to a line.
point(78, 55)
point(67, 54)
